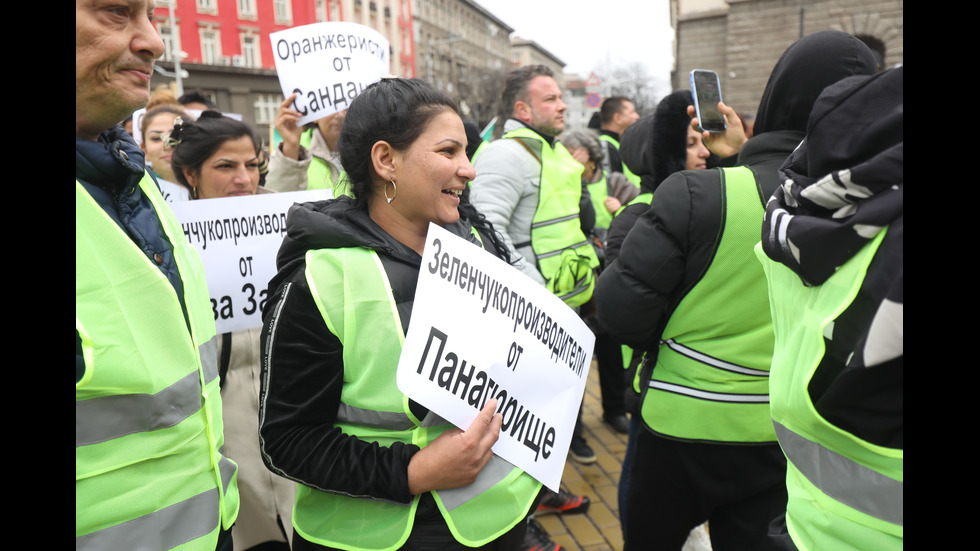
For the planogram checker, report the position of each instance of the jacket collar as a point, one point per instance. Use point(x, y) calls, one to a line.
point(513, 124)
point(113, 162)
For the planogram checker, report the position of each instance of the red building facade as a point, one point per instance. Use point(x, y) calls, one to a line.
point(228, 54)
point(236, 32)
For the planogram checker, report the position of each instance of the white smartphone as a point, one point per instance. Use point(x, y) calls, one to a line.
point(706, 92)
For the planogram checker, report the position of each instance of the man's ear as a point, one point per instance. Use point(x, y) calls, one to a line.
point(522, 111)
point(383, 159)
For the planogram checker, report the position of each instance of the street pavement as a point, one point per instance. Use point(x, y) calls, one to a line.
point(598, 529)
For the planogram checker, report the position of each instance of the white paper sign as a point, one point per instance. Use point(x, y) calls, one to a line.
point(238, 239)
point(482, 329)
point(328, 64)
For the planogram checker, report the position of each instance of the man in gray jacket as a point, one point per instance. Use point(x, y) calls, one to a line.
point(530, 187)
point(510, 172)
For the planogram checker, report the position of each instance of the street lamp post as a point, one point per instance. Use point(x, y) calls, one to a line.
point(176, 52)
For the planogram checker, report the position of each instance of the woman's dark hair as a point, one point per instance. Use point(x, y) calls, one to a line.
point(397, 111)
point(394, 110)
point(196, 141)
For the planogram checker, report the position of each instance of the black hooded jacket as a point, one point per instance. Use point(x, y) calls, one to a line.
point(845, 181)
point(673, 243)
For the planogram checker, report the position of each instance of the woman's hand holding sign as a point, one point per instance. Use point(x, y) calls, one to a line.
point(289, 131)
point(455, 458)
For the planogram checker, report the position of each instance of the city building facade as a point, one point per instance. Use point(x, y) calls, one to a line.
point(226, 52)
point(465, 50)
point(227, 55)
point(575, 94)
point(741, 40)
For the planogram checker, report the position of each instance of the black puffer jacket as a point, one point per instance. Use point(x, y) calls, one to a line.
point(670, 247)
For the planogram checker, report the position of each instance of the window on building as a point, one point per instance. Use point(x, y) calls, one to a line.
point(251, 54)
point(210, 46)
point(284, 12)
point(207, 6)
point(246, 9)
point(321, 10)
point(166, 35)
point(266, 106)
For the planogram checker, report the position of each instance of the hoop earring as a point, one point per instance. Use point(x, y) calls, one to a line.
point(193, 192)
point(395, 186)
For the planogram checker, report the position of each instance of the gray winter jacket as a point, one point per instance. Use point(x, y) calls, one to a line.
point(505, 190)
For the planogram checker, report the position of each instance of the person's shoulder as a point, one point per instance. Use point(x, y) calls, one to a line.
point(631, 210)
point(510, 146)
point(688, 182)
point(509, 157)
point(689, 197)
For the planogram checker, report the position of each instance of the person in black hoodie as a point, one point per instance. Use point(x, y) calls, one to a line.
point(833, 241)
point(653, 148)
point(688, 290)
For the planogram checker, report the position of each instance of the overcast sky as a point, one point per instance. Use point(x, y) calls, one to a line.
point(592, 34)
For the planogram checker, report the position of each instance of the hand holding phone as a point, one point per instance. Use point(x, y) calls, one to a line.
point(723, 144)
point(706, 92)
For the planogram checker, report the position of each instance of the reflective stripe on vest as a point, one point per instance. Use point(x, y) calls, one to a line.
point(148, 409)
point(102, 419)
point(556, 226)
point(713, 361)
point(844, 479)
point(167, 528)
point(844, 492)
point(350, 415)
point(633, 178)
point(353, 294)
